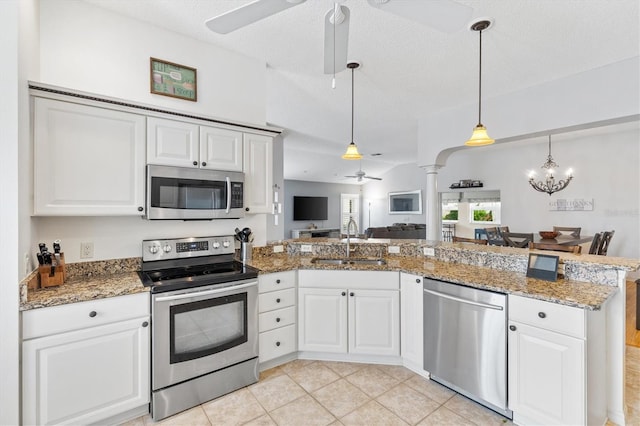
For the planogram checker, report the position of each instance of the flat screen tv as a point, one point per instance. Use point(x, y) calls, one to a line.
point(310, 208)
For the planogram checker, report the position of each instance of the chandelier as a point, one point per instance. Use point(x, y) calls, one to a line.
point(550, 185)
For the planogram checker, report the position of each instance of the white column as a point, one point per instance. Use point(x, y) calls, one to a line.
point(432, 209)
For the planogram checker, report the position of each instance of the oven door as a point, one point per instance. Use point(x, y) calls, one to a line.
point(203, 329)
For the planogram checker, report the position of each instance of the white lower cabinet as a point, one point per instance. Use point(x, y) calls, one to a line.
point(276, 315)
point(411, 336)
point(354, 312)
point(75, 373)
point(557, 362)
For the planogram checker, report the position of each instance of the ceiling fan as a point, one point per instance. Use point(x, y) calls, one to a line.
point(360, 174)
point(443, 15)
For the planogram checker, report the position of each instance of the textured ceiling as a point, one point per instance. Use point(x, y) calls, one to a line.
point(408, 69)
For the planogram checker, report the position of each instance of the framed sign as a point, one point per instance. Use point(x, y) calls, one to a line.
point(174, 80)
point(543, 266)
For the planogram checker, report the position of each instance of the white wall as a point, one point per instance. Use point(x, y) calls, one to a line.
point(315, 189)
point(88, 48)
point(406, 177)
point(605, 164)
point(84, 47)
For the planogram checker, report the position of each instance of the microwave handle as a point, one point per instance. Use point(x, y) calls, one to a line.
point(228, 193)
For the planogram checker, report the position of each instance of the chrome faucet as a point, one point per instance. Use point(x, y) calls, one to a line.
point(355, 225)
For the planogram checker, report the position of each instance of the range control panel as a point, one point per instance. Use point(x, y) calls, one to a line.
point(179, 248)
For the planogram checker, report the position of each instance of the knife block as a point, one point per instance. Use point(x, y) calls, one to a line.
point(57, 278)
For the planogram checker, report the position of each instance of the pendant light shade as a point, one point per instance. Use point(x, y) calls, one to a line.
point(352, 150)
point(480, 136)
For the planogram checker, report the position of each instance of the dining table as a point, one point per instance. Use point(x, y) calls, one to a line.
point(562, 239)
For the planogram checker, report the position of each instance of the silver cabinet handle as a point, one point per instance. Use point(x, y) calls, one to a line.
point(205, 293)
point(228, 179)
point(461, 300)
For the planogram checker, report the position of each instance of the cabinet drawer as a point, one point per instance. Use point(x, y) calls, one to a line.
point(276, 281)
point(278, 318)
point(75, 316)
point(276, 300)
point(277, 342)
point(550, 316)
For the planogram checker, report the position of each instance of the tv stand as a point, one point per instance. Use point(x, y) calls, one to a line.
point(316, 233)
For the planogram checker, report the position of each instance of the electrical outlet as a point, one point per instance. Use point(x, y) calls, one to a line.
point(86, 250)
point(27, 264)
point(429, 251)
point(394, 249)
point(306, 248)
point(278, 249)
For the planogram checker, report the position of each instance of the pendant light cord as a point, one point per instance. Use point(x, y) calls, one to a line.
point(352, 105)
point(480, 83)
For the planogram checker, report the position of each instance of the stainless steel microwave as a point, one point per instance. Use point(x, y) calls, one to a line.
point(194, 194)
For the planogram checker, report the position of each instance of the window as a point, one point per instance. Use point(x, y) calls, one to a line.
point(486, 212)
point(349, 208)
point(449, 211)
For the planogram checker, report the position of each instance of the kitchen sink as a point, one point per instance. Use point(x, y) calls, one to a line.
point(348, 261)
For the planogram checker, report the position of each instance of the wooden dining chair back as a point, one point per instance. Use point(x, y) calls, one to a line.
point(517, 239)
point(574, 232)
point(555, 247)
point(494, 237)
point(604, 243)
point(470, 240)
point(595, 243)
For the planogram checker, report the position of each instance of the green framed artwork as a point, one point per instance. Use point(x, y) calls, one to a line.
point(174, 80)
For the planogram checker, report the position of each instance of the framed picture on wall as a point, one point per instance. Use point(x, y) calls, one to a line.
point(174, 80)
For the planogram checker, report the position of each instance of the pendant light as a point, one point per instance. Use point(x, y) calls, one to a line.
point(352, 150)
point(480, 136)
point(550, 185)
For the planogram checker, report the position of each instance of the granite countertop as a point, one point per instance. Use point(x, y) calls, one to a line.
point(104, 282)
point(83, 288)
point(571, 293)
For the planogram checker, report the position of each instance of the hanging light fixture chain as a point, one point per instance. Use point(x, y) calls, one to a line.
point(352, 141)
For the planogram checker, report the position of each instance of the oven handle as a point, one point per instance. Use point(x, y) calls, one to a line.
point(228, 179)
point(205, 293)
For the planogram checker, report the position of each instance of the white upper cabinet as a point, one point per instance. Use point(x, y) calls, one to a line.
point(220, 149)
point(258, 169)
point(88, 161)
point(182, 144)
point(172, 143)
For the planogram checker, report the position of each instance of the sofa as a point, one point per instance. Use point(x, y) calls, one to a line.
point(407, 231)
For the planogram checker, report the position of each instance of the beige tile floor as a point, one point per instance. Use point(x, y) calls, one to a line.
point(335, 393)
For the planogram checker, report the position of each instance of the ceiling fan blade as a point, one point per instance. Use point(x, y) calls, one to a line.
point(341, 41)
point(372, 177)
point(248, 14)
point(351, 176)
point(444, 15)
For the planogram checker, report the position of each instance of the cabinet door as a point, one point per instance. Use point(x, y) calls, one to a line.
point(88, 161)
point(411, 320)
point(86, 376)
point(546, 376)
point(322, 320)
point(374, 322)
point(258, 169)
point(220, 149)
point(172, 143)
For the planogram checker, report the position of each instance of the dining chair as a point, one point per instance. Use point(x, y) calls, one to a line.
point(604, 243)
point(577, 249)
point(574, 232)
point(595, 243)
point(469, 240)
point(517, 239)
point(493, 237)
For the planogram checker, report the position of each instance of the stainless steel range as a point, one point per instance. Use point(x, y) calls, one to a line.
point(204, 307)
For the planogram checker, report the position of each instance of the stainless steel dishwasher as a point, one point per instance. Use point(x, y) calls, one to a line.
point(465, 341)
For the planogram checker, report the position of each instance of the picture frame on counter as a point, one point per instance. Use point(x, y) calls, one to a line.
point(173, 80)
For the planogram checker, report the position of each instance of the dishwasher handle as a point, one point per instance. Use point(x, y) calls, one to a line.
point(461, 300)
